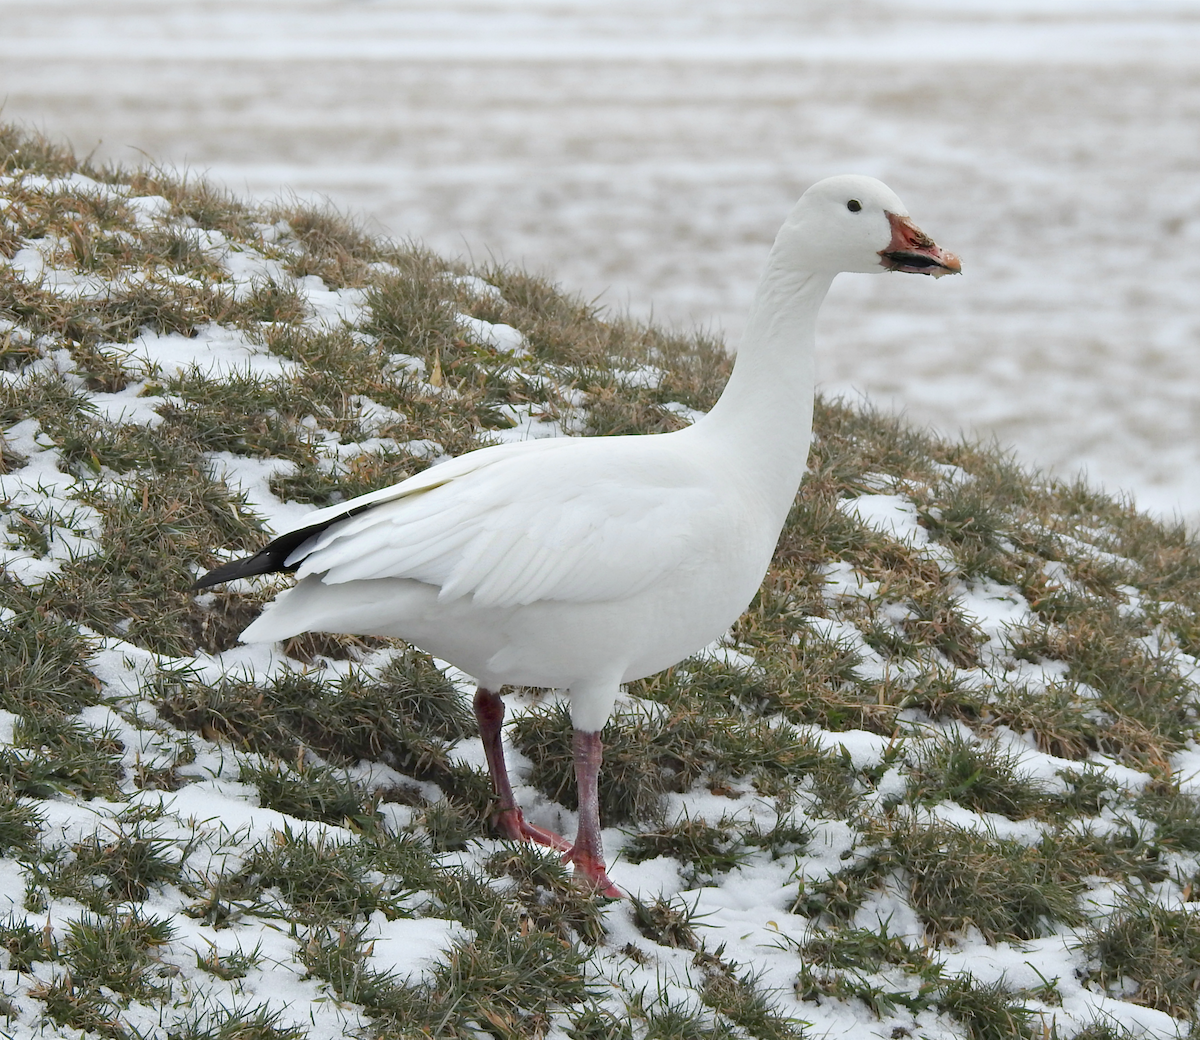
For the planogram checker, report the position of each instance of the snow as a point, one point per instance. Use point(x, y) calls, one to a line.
point(410, 946)
point(503, 337)
point(892, 515)
point(215, 350)
point(40, 496)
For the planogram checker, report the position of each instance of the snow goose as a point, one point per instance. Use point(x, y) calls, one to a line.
point(584, 563)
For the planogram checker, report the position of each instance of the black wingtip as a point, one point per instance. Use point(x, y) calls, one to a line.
point(272, 558)
point(266, 561)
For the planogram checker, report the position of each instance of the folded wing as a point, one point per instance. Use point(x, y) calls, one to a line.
point(571, 525)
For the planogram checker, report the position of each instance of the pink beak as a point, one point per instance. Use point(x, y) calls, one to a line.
point(913, 251)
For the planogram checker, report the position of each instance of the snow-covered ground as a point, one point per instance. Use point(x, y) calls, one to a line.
point(748, 912)
point(647, 152)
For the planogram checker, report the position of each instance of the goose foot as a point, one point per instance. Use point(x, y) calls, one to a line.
point(509, 820)
point(591, 871)
point(512, 824)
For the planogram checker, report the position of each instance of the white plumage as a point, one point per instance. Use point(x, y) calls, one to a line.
point(583, 563)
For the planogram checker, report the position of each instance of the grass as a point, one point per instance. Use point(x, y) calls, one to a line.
point(237, 1023)
point(57, 754)
point(1157, 949)
point(312, 792)
point(320, 880)
point(545, 885)
point(859, 757)
point(703, 850)
point(981, 777)
point(957, 879)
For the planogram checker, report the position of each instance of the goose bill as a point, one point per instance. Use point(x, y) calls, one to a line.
point(914, 252)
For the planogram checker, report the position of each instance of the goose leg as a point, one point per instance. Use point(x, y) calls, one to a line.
point(510, 821)
point(588, 853)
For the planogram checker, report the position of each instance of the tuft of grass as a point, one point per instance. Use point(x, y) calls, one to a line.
point(273, 302)
point(56, 754)
point(120, 868)
point(978, 776)
point(1090, 789)
point(19, 822)
point(242, 1022)
point(959, 879)
point(668, 922)
point(25, 943)
point(313, 792)
point(236, 964)
point(1106, 1029)
point(1157, 948)
point(156, 537)
point(546, 889)
point(43, 664)
point(407, 716)
point(411, 311)
point(322, 879)
point(514, 982)
point(704, 851)
point(593, 1023)
point(1062, 722)
point(974, 517)
point(865, 948)
point(34, 153)
point(1174, 813)
point(79, 1007)
point(962, 879)
point(339, 956)
point(114, 952)
point(739, 997)
point(334, 246)
point(986, 1010)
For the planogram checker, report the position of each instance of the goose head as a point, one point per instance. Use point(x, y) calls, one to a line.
point(858, 224)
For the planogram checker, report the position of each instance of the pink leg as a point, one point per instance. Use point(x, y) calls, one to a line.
point(510, 821)
point(588, 853)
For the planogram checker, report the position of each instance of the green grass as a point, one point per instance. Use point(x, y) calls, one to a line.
point(704, 851)
point(113, 700)
point(236, 1023)
point(320, 880)
point(981, 777)
point(1158, 949)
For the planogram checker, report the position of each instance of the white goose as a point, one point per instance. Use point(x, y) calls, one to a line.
point(584, 563)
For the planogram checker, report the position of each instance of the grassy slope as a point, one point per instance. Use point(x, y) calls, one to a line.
point(978, 680)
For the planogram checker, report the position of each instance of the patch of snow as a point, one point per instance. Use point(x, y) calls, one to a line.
point(500, 336)
point(214, 351)
point(42, 502)
point(410, 947)
point(332, 307)
point(644, 377)
point(476, 286)
point(842, 581)
point(131, 406)
point(691, 415)
point(893, 515)
point(720, 651)
point(148, 209)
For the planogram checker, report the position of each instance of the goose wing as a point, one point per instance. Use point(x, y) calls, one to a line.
point(592, 521)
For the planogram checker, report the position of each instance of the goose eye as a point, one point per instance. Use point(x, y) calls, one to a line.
point(854, 205)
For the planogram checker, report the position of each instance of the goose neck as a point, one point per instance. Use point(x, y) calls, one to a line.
point(764, 415)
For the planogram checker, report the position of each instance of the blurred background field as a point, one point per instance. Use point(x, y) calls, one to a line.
point(645, 153)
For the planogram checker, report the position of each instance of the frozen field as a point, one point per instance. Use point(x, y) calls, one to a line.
point(646, 152)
